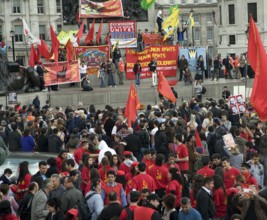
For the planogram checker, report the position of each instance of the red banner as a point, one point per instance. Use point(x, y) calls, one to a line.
point(167, 57)
point(91, 9)
point(152, 40)
point(92, 56)
point(61, 73)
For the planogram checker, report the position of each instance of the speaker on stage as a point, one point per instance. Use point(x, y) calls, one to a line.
point(13, 67)
point(251, 73)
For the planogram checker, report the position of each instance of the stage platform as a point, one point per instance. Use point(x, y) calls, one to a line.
point(117, 97)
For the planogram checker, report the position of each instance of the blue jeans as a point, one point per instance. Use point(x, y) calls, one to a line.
point(137, 79)
point(140, 46)
point(103, 76)
point(111, 79)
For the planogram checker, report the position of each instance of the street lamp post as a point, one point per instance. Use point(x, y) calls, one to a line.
point(12, 35)
point(193, 40)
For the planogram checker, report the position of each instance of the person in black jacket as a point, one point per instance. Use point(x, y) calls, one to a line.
point(153, 67)
point(200, 68)
point(113, 210)
point(137, 71)
point(205, 204)
point(42, 171)
point(225, 93)
point(53, 206)
point(161, 141)
point(54, 142)
point(25, 206)
point(183, 65)
point(216, 68)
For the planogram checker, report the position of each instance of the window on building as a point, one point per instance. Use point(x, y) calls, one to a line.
point(231, 10)
point(40, 6)
point(209, 1)
point(42, 31)
point(252, 10)
point(195, 1)
point(183, 1)
point(196, 18)
point(220, 11)
point(20, 60)
point(16, 6)
point(209, 17)
point(210, 33)
point(18, 33)
point(197, 34)
point(211, 52)
point(58, 6)
point(231, 39)
point(59, 28)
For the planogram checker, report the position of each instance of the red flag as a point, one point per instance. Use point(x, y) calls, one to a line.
point(33, 57)
point(258, 59)
point(99, 33)
point(55, 44)
point(69, 49)
point(165, 89)
point(199, 142)
point(90, 36)
point(108, 39)
point(43, 50)
point(80, 31)
point(132, 105)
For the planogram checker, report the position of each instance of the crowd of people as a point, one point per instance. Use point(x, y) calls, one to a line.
point(173, 163)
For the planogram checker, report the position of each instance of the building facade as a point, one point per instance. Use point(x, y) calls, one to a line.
point(233, 23)
point(204, 32)
point(38, 14)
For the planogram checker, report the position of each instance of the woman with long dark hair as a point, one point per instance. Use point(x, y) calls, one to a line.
point(85, 170)
point(23, 180)
point(130, 175)
point(53, 206)
point(115, 162)
point(197, 184)
point(219, 197)
point(175, 186)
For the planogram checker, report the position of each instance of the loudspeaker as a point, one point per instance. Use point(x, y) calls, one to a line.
point(13, 67)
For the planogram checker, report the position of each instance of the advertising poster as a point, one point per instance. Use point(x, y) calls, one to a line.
point(166, 59)
point(94, 9)
point(123, 32)
point(92, 56)
point(61, 73)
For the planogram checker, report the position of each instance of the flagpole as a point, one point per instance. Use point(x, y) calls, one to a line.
point(27, 52)
point(246, 80)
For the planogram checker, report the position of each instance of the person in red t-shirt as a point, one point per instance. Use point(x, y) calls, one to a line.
point(175, 185)
point(160, 175)
point(147, 159)
point(197, 184)
point(219, 197)
point(134, 198)
point(129, 177)
point(78, 153)
point(63, 155)
point(143, 180)
point(125, 166)
point(230, 173)
point(205, 170)
point(85, 171)
point(182, 153)
point(104, 169)
point(171, 162)
point(250, 180)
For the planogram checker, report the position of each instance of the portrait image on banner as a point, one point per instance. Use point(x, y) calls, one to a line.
point(61, 73)
point(166, 59)
point(123, 32)
point(93, 9)
point(92, 57)
point(237, 104)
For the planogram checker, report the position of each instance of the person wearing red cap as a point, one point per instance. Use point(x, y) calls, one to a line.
point(112, 186)
point(160, 175)
point(126, 164)
point(143, 180)
point(129, 176)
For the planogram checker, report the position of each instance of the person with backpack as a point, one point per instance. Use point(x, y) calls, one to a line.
point(93, 199)
point(128, 212)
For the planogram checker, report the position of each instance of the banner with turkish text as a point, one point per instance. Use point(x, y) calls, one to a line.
point(61, 73)
point(91, 9)
point(124, 32)
point(152, 39)
point(166, 59)
point(92, 56)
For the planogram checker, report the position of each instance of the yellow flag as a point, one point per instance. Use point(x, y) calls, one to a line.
point(116, 43)
point(63, 36)
point(172, 21)
point(192, 21)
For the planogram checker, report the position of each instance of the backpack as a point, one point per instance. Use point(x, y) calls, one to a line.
point(83, 209)
point(130, 214)
point(204, 90)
